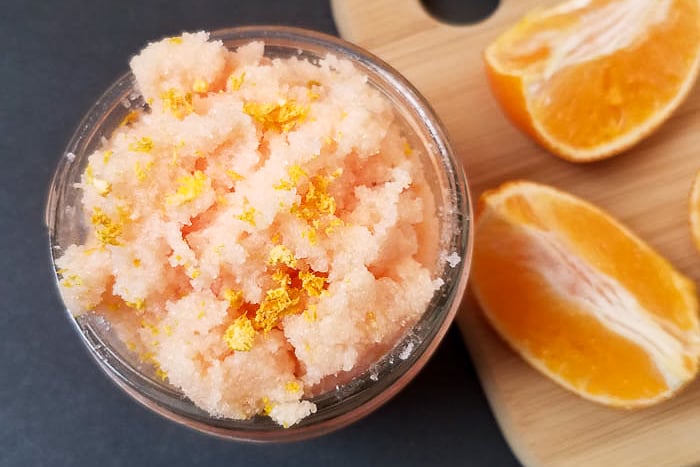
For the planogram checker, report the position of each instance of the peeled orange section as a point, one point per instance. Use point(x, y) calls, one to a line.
point(589, 78)
point(582, 298)
point(695, 211)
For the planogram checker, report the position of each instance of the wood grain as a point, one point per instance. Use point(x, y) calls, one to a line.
point(647, 188)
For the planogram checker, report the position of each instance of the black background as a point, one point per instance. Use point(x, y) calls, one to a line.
point(56, 408)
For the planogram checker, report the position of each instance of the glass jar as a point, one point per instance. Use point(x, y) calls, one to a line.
point(366, 392)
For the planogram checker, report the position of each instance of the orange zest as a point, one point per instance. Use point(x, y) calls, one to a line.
point(587, 79)
point(582, 298)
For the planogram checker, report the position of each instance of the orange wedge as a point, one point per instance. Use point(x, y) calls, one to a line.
point(587, 79)
point(583, 299)
point(695, 211)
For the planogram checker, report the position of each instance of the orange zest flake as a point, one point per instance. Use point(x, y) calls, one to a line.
point(194, 273)
point(235, 82)
point(407, 149)
point(136, 262)
point(248, 216)
point(333, 224)
point(240, 335)
point(371, 318)
point(107, 230)
point(310, 93)
point(316, 206)
point(151, 327)
point(189, 188)
point(106, 156)
point(200, 86)
point(130, 118)
point(312, 283)
point(292, 386)
point(310, 314)
point(90, 251)
point(280, 117)
point(72, 280)
point(277, 303)
point(89, 174)
point(267, 406)
point(148, 357)
point(316, 202)
point(283, 185)
point(175, 40)
point(142, 170)
point(138, 305)
point(233, 175)
point(282, 278)
point(234, 298)
point(175, 158)
point(160, 373)
point(295, 174)
point(180, 105)
point(143, 144)
point(280, 254)
point(311, 235)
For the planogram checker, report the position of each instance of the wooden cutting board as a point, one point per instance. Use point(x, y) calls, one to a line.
point(647, 188)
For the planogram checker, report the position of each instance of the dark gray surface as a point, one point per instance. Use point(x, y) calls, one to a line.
point(56, 408)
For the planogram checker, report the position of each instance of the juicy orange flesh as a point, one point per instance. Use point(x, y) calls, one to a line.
point(601, 243)
point(590, 103)
point(553, 328)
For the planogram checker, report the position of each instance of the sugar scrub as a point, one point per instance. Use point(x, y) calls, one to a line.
point(260, 232)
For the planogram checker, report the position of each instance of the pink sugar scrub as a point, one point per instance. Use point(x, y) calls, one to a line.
point(261, 232)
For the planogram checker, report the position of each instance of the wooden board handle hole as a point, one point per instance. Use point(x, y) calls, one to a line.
point(457, 12)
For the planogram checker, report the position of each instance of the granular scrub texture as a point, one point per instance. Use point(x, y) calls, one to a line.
point(260, 231)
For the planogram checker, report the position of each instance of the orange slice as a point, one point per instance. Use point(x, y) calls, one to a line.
point(590, 78)
point(695, 211)
point(583, 299)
